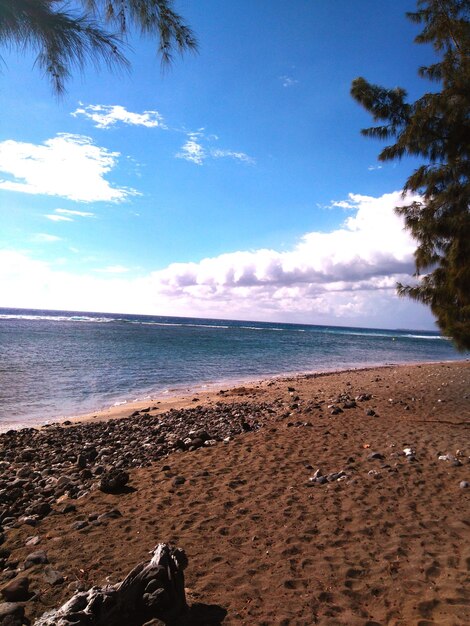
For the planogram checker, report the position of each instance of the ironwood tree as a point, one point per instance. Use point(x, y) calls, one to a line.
point(67, 35)
point(436, 129)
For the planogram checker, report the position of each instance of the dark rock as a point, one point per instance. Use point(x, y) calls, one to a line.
point(41, 509)
point(11, 614)
point(69, 508)
point(113, 514)
point(335, 410)
point(79, 525)
point(81, 461)
point(370, 412)
point(114, 481)
point(178, 480)
point(375, 456)
point(17, 590)
point(36, 558)
point(196, 443)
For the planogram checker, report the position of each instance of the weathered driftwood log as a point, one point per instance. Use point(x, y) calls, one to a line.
point(151, 590)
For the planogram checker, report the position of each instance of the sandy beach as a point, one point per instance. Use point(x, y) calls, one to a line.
point(338, 498)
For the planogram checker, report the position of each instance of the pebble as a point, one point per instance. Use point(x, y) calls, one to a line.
point(41, 469)
point(464, 484)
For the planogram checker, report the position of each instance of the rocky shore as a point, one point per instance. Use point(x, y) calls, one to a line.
point(333, 499)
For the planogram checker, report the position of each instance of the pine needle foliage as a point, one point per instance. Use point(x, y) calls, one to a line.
point(436, 129)
point(68, 35)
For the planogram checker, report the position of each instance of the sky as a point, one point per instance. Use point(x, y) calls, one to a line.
point(233, 185)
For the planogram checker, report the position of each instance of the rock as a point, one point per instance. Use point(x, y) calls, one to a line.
point(370, 412)
point(52, 576)
point(33, 541)
point(178, 480)
point(11, 614)
point(113, 514)
point(335, 410)
point(375, 456)
point(17, 590)
point(114, 481)
point(36, 558)
point(464, 484)
point(79, 525)
point(41, 509)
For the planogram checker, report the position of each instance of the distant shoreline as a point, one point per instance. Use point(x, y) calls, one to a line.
point(178, 398)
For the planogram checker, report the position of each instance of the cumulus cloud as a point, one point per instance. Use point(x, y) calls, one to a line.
point(346, 276)
point(104, 116)
point(69, 166)
point(371, 244)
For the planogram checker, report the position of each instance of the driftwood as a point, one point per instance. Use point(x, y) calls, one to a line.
point(151, 591)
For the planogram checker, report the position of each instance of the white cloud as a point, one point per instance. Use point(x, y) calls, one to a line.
point(197, 151)
point(346, 276)
point(370, 244)
point(75, 213)
point(372, 168)
point(64, 215)
point(288, 81)
point(106, 116)
point(45, 238)
point(58, 218)
point(240, 156)
point(192, 150)
point(69, 166)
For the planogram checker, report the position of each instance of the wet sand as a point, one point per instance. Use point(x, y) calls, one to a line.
point(387, 541)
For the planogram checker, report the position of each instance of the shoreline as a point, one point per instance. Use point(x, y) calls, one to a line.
point(178, 398)
point(329, 498)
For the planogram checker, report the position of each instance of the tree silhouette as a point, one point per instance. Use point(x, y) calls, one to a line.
point(67, 37)
point(436, 127)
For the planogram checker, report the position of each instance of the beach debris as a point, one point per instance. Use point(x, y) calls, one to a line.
point(321, 479)
point(464, 484)
point(450, 458)
point(408, 451)
point(151, 591)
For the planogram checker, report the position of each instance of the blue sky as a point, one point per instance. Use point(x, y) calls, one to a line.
point(234, 185)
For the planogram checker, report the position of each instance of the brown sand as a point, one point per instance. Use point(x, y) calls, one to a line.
point(387, 547)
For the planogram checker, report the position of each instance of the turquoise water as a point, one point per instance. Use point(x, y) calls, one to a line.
point(55, 364)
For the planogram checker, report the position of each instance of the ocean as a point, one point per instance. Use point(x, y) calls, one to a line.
point(55, 364)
